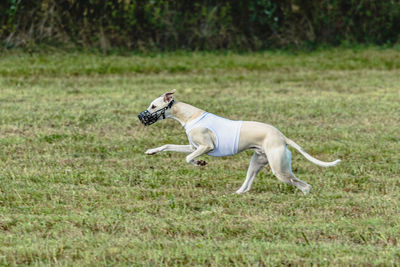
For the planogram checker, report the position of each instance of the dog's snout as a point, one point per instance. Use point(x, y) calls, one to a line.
point(144, 117)
point(148, 118)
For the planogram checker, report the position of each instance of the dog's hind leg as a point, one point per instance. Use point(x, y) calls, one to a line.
point(279, 158)
point(258, 161)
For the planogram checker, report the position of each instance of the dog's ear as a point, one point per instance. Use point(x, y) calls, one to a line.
point(168, 96)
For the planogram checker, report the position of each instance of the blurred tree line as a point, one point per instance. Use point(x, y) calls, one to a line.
point(198, 25)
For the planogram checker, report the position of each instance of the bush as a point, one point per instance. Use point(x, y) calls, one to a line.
point(198, 25)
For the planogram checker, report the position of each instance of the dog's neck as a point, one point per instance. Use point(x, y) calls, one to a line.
point(183, 112)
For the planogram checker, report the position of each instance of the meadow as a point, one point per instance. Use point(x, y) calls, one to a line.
point(77, 189)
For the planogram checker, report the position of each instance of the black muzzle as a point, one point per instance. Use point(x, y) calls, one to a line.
point(148, 118)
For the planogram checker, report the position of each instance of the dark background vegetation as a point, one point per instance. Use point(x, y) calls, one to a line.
point(198, 25)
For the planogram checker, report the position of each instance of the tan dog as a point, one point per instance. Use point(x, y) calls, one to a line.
point(269, 144)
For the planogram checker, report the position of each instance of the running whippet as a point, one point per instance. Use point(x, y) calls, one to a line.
point(216, 136)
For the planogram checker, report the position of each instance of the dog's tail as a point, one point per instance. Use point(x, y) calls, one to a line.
point(309, 157)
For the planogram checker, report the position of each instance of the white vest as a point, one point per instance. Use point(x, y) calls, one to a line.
point(226, 133)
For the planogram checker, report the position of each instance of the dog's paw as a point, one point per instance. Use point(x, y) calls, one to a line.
point(306, 190)
point(151, 151)
point(201, 163)
point(241, 191)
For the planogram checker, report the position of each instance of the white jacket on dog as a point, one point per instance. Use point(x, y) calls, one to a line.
point(227, 133)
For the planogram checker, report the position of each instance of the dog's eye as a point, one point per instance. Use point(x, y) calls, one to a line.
point(153, 107)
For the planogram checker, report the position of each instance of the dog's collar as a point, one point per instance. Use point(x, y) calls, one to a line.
point(171, 103)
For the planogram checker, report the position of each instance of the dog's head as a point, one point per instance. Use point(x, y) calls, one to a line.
point(157, 109)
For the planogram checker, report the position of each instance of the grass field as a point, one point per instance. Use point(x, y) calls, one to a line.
point(77, 189)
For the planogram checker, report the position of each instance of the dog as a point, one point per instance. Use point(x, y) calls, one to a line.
point(217, 136)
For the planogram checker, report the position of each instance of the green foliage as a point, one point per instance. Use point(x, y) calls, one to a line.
point(76, 188)
point(198, 25)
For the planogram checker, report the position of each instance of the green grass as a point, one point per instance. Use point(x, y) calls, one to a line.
point(77, 189)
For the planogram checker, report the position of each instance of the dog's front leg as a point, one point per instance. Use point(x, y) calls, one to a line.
point(172, 148)
point(205, 142)
point(202, 149)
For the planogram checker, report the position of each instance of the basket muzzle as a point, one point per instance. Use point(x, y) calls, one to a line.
point(148, 118)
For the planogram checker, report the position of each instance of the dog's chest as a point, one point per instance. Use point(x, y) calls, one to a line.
point(226, 133)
